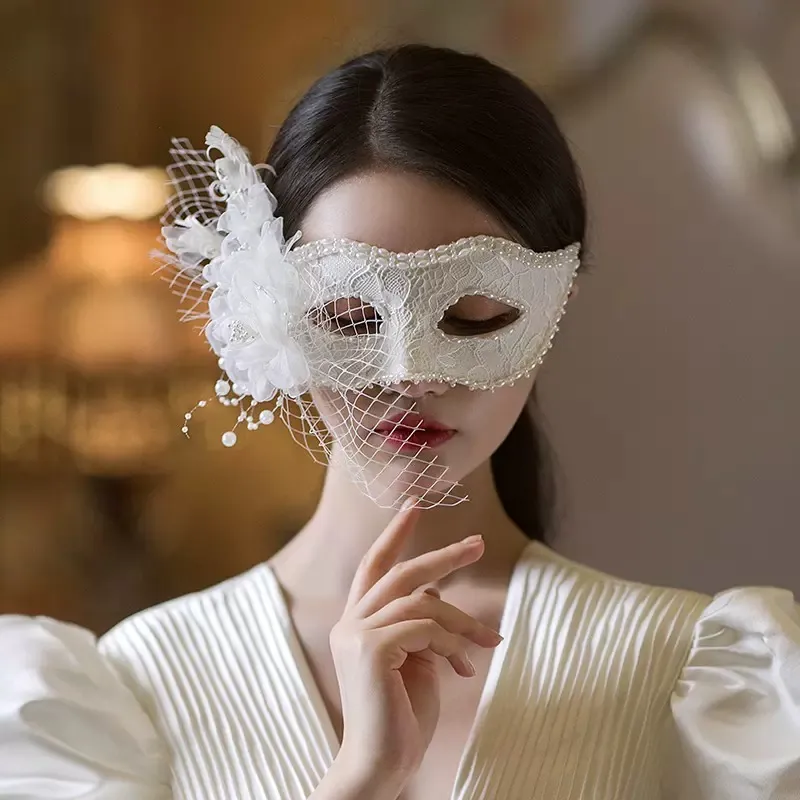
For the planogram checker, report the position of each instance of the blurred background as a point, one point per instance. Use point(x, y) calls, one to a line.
point(671, 398)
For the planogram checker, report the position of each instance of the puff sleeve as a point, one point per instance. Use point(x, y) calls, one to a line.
point(736, 705)
point(69, 727)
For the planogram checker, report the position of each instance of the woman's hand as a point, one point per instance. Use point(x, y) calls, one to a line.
point(385, 649)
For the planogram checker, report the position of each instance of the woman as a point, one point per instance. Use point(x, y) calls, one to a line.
point(365, 664)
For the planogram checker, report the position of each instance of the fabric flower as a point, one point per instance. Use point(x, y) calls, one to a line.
point(255, 293)
point(255, 302)
point(192, 242)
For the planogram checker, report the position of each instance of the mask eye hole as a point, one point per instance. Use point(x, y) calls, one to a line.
point(347, 316)
point(476, 314)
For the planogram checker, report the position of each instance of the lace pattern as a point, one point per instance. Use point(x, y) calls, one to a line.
point(411, 293)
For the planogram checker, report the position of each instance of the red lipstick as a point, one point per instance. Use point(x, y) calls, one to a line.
point(409, 432)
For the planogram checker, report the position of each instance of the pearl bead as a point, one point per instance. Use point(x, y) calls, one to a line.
point(488, 244)
point(184, 429)
point(187, 415)
point(202, 404)
point(266, 417)
point(251, 426)
point(229, 438)
point(221, 388)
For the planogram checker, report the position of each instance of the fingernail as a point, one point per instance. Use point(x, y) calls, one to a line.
point(410, 502)
point(433, 592)
point(472, 539)
point(470, 666)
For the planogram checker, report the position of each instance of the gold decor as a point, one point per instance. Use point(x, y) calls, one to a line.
point(98, 387)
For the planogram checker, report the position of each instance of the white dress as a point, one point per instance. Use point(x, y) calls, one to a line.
point(602, 690)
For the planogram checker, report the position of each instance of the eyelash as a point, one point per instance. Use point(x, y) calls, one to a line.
point(456, 326)
point(347, 325)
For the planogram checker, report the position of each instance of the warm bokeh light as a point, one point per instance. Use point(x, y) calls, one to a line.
point(107, 190)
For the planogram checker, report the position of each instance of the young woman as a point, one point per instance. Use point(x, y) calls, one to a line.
point(442, 218)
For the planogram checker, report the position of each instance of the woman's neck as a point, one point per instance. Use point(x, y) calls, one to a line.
point(324, 555)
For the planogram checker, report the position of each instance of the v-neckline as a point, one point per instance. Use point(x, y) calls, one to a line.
point(510, 614)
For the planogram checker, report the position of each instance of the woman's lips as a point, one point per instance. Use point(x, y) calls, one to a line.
point(410, 432)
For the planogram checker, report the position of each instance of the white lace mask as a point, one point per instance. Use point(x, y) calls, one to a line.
point(407, 296)
point(348, 322)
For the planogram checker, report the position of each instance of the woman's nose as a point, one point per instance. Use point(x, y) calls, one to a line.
point(419, 389)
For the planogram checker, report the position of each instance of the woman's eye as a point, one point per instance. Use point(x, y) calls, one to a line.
point(347, 317)
point(474, 315)
point(474, 327)
point(356, 326)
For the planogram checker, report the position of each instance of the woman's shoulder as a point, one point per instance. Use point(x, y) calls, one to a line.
point(91, 712)
point(66, 713)
point(736, 704)
point(562, 574)
point(614, 624)
point(245, 595)
point(767, 610)
point(727, 667)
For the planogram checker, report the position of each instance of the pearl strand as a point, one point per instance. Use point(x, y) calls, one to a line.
point(234, 396)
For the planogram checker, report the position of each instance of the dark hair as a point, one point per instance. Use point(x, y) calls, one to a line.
point(459, 119)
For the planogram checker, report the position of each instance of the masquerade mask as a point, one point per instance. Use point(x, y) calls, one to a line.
point(329, 335)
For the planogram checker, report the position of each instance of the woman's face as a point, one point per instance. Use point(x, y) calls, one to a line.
point(457, 428)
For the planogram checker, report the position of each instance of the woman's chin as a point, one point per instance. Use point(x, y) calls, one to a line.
point(389, 475)
point(432, 483)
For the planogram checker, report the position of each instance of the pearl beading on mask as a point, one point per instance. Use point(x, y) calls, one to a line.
point(435, 255)
point(565, 260)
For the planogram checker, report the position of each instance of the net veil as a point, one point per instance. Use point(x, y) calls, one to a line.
point(347, 343)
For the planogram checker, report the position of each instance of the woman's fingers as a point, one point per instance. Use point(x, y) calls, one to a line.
point(395, 642)
point(398, 619)
point(383, 553)
point(407, 576)
point(422, 605)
